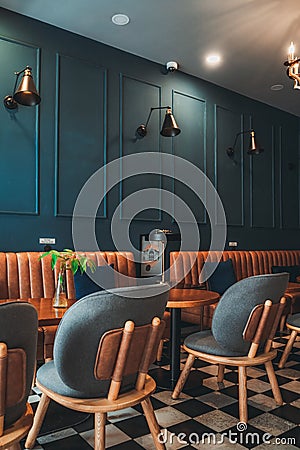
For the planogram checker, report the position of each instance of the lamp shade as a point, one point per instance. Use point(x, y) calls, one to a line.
point(170, 127)
point(27, 94)
point(254, 148)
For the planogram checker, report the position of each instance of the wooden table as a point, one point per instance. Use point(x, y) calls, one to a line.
point(183, 298)
point(47, 315)
point(293, 287)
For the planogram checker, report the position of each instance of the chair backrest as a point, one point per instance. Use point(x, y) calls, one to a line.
point(262, 325)
point(233, 310)
point(83, 325)
point(18, 340)
point(126, 352)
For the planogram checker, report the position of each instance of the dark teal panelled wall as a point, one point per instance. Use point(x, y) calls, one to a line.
point(93, 99)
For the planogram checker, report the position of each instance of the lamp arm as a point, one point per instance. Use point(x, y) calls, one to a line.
point(148, 118)
point(238, 134)
point(152, 109)
point(9, 101)
point(16, 81)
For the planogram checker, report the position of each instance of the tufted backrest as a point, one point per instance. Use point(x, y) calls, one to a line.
point(23, 275)
point(233, 310)
point(185, 267)
point(82, 326)
point(262, 261)
point(18, 331)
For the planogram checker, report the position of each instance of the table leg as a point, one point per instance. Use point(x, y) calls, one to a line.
point(175, 345)
point(201, 317)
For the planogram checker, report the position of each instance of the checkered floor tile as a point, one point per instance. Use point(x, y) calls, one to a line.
point(203, 412)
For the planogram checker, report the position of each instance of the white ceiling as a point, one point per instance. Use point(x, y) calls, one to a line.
point(251, 35)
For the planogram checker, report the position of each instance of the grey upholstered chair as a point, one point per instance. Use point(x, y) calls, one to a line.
point(228, 342)
point(71, 378)
point(18, 341)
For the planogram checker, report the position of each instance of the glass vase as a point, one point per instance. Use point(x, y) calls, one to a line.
point(60, 295)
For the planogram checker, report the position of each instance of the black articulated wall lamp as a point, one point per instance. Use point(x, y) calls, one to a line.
point(253, 149)
point(169, 128)
point(26, 94)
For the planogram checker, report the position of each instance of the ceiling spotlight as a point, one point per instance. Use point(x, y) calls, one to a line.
point(276, 87)
point(213, 59)
point(120, 19)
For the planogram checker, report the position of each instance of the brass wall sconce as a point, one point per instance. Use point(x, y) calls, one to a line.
point(253, 149)
point(169, 128)
point(293, 66)
point(26, 94)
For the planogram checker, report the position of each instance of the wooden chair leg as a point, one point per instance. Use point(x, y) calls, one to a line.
point(220, 376)
point(160, 350)
point(183, 377)
point(243, 409)
point(37, 421)
point(287, 349)
point(282, 322)
point(34, 375)
point(274, 383)
point(100, 421)
point(152, 423)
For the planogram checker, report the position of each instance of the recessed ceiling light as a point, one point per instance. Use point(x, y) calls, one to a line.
point(120, 19)
point(276, 87)
point(213, 59)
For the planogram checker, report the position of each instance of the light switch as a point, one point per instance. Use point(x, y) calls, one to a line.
point(47, 240)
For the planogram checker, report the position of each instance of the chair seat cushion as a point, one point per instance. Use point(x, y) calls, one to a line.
point(204, 342)
point(294, 320)
point(47, 375)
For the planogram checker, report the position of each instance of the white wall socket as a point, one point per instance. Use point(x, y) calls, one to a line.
point(47, 240)
point(232, 244)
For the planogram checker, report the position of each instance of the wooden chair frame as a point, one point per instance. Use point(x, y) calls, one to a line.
point(120, 353)
point(289, 345)
point(260, 331)
point(10, 437)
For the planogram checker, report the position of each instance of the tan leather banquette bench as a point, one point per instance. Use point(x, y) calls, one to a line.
point(23, 275)
point(245, 264)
